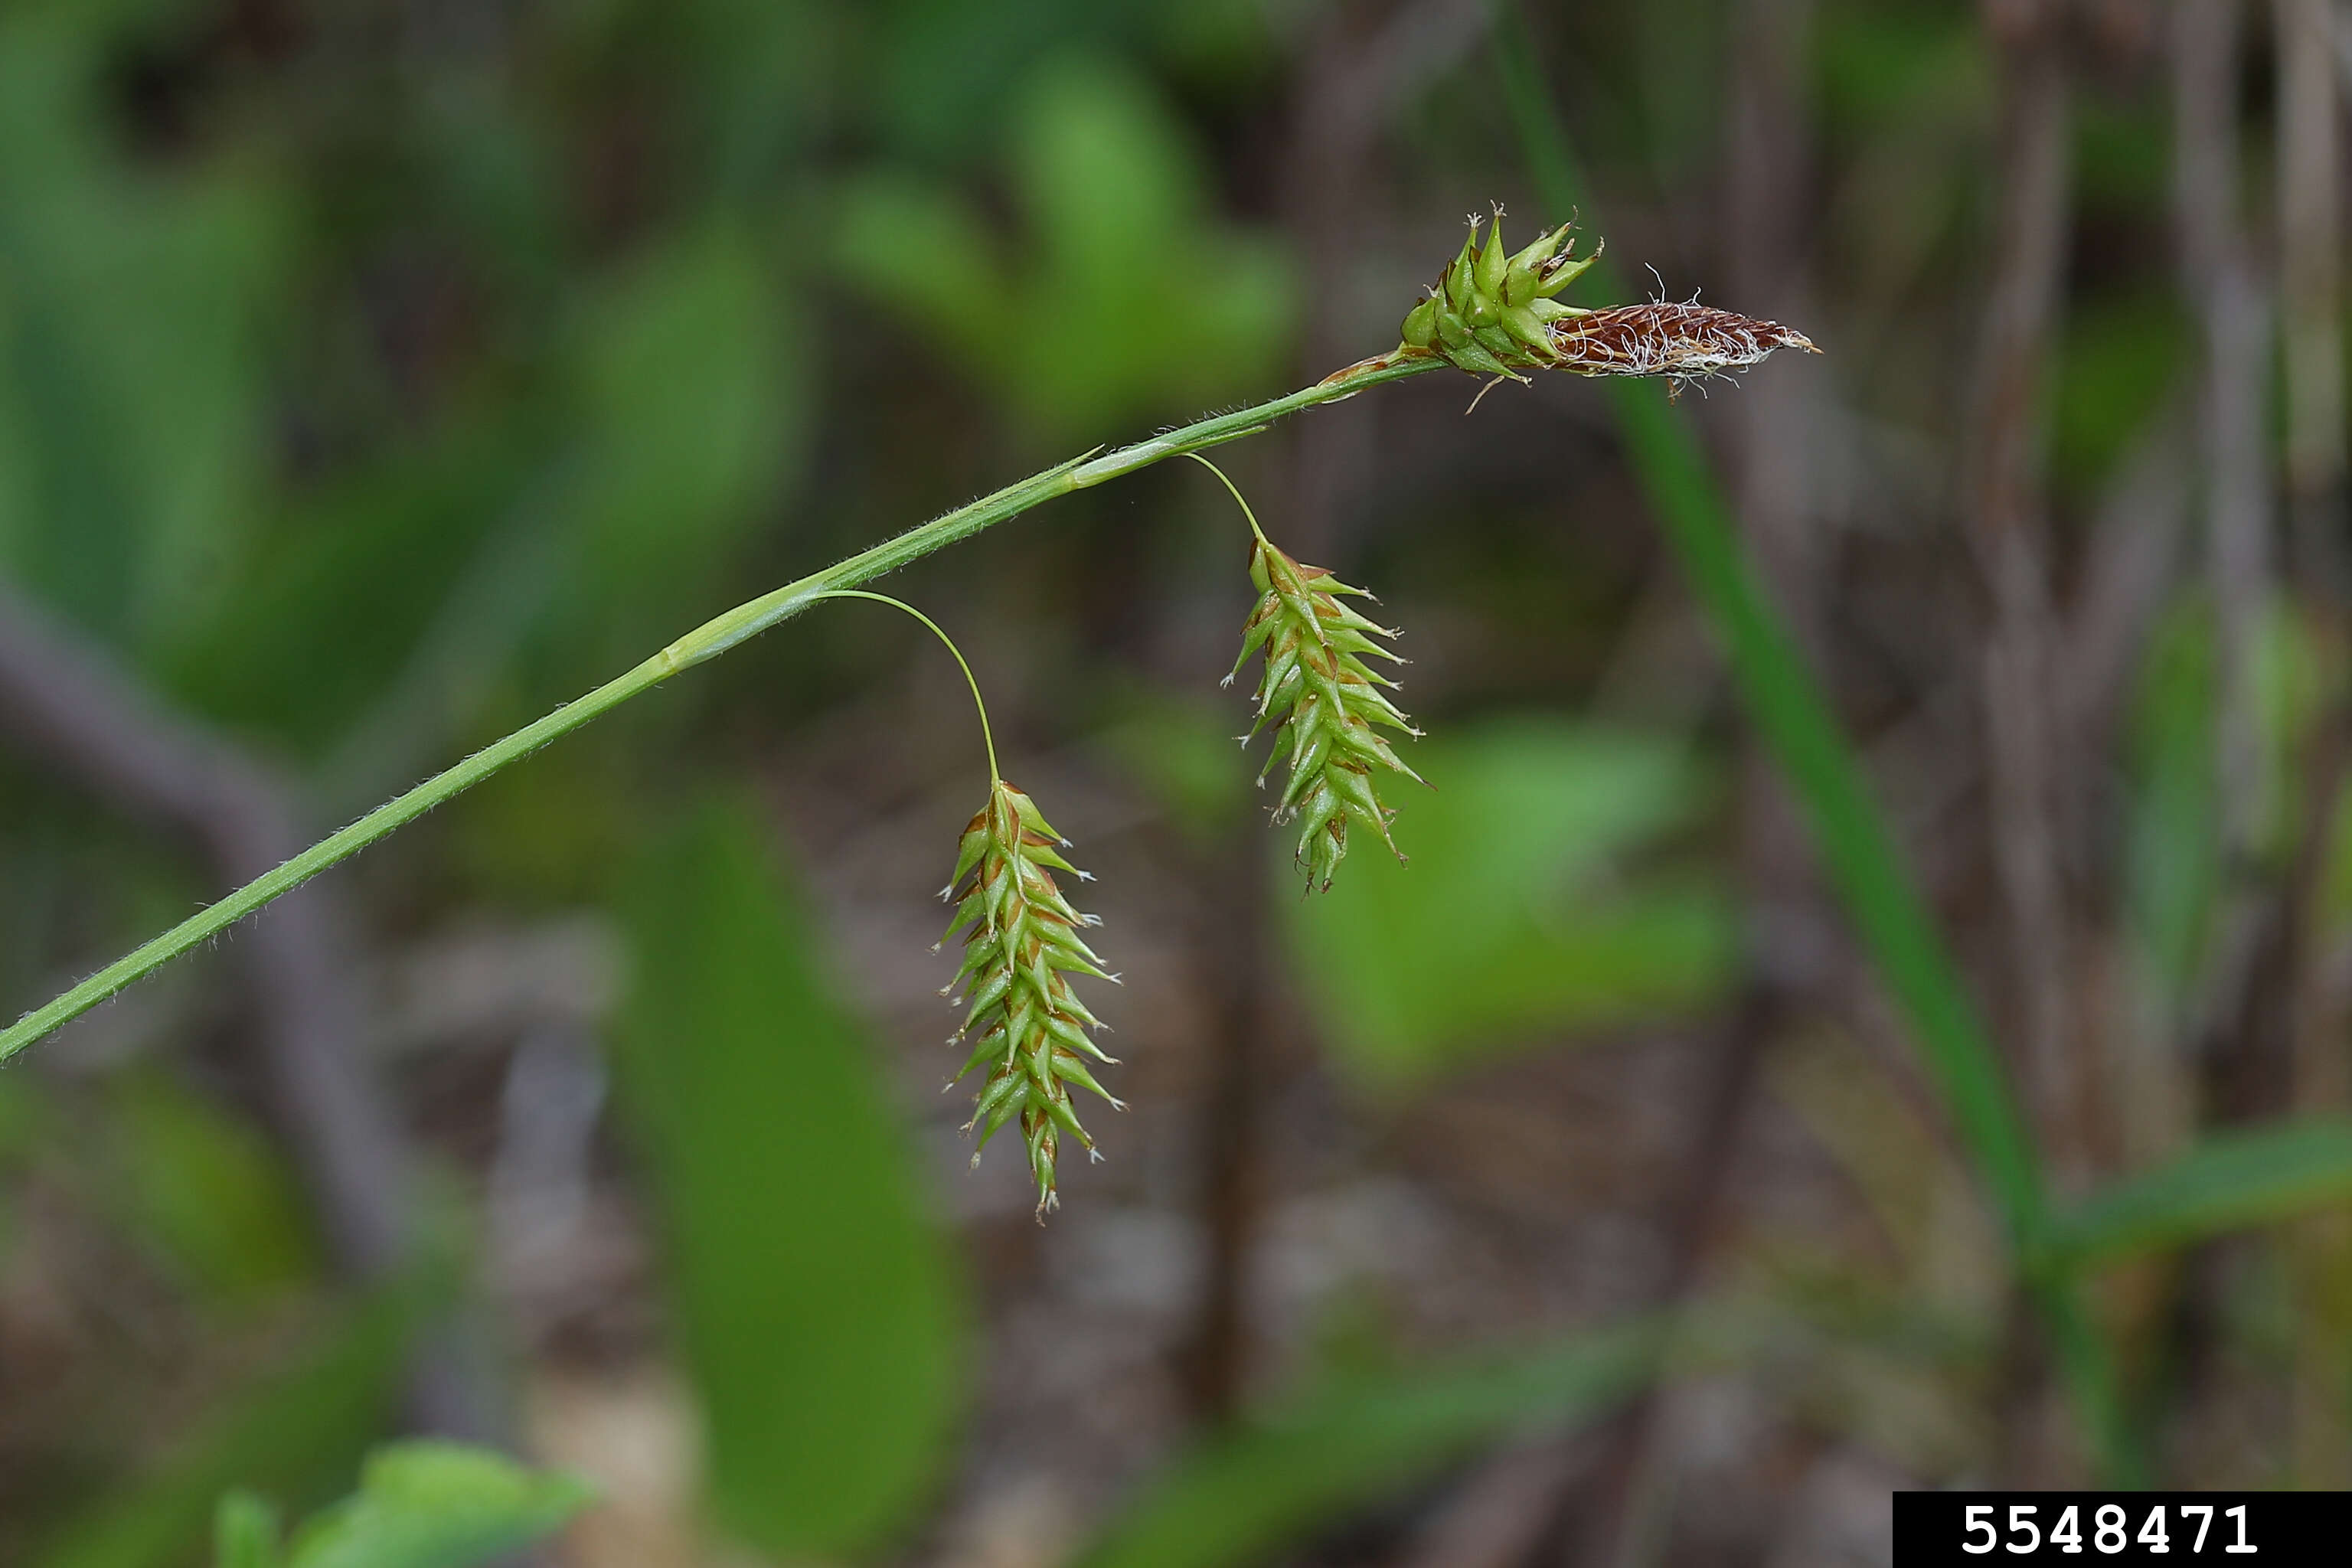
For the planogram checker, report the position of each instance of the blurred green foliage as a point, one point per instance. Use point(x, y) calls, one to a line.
point(2175, 857)
point(2121, 360)
point(685, 402)
point(1923, 66)
point(2230, 1180)
point(1536, 902)
point(209, 1188)
point(816, 1303)
point(369, 408)
point(419, 1505)
point(294, 1434)
point(131, 411)
point(1126, 298)
point(1273, 1480)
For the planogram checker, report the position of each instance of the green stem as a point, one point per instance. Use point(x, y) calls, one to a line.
point(707, 641)
point(1793, 715)
point(987, 735)
point(1235, 493)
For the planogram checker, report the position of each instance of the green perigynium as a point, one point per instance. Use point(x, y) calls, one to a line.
point(1491, 311)
point(1325, 703)
point(1029, 1028)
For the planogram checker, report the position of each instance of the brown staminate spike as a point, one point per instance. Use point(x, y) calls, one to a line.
point(1688, 339)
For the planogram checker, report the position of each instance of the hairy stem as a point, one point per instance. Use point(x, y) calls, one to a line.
point(707, 641)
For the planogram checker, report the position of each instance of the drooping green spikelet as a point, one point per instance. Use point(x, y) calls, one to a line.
point(1028, 1027)
point(1324, 703)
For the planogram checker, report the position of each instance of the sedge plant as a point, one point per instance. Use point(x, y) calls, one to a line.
point(1492, 313)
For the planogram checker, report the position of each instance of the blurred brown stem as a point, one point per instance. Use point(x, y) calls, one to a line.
point(2218, 278)
point(1637, 1484)
point(2010, 535)
point(1242, 1052)
point(2310, 230)
point(2310, 261)
point(2318, 1007)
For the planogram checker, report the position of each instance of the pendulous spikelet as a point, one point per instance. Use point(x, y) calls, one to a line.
point(1029, 1028)
point(1325, 703)
point(1492, 313)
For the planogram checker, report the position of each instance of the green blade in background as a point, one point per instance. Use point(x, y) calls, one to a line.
point(814, 1296)
point(1240, 1497)
point(2222, 1184)
point(1793, 715)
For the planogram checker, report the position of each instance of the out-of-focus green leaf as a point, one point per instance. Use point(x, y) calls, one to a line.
point(1126, 296)
point(892, 226)
point(1232, 46)
point(814, 1299)
point(1182, 754)
point(2118, 361)
point(2334, 893)
point(354, 574)
point(695, 381)
point(1905, 96)
point(2173, 851)
point(1524, 911)
point(291, 1436)
point(1913, 66)
point(2123, 154)
point(20, 1116)
point(245, 1532)
point(129, 380)
point(767, 67)
point(437, 1504)
point(1239, 1498)
point(948, 65)
point(2227, 1181)
point(207, 1186)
